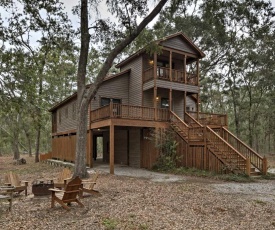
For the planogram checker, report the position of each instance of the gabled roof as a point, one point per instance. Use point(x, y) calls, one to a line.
point(74, 95)
point(179, 34)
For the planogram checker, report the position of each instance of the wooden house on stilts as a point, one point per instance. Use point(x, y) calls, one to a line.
point(154, 92)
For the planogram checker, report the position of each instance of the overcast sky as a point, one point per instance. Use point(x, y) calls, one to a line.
point(102, 9)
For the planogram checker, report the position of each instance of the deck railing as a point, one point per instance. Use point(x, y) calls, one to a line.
point(231, 157)
point(163, 73)
point(258, 161)
point(129, 112)
point(210, 118)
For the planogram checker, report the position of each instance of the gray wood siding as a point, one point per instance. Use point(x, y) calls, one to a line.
point(191, 103)
point(177, 86)
point(178, 103)
point(179, 44)
point(66, 117)
point(173, 85)
point(134, 147)
point(121, 147)
point(148, 97)
point(135, 81)
point(114, 88)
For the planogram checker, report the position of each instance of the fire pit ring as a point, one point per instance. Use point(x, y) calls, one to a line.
point(41, 188)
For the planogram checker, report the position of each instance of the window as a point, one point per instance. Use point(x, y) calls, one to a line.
point(106, 101)
point(164, 103)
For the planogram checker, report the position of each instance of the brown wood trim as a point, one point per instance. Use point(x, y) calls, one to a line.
point(170, 65)
point(72, 131)
point(180, 52)
point(112, 148)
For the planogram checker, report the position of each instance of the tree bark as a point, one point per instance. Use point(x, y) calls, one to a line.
point(84, 95)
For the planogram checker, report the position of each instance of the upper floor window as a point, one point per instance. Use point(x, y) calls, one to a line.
point(106, 101)
point(164, 103)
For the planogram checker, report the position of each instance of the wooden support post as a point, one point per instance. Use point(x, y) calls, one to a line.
point(248, 166)
point(111, 108)
point(155, 85)
point(112, 148)
point(170, 99)
point(198, 72)
point(184, 69)
point(205, 150)
point(90, 148)
point(198, 106)
point(170, 66)
point(184, 101)
point(264, 166)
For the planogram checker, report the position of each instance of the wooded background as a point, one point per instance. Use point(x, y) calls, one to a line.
point(39, 53)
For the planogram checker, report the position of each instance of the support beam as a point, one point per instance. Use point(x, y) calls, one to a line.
point(112, 148)
point(170, 99)
point(170, 66)
point(198, 72)
point(90, 148)
point(155, 85)
point(184, 101)
point(184, 69)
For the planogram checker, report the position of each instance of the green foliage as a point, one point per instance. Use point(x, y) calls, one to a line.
point(110, 223)
point(167, 146)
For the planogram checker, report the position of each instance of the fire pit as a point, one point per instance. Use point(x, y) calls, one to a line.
point(41, 188)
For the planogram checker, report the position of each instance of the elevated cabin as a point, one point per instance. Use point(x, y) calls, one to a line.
point(154, 92)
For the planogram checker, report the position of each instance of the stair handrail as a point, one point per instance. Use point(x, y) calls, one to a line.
point(193, 119)
point(255, 158)
point(240, 156)
point(180, 121)
point(175, 115)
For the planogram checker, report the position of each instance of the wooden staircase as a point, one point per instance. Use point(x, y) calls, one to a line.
point(229, 151)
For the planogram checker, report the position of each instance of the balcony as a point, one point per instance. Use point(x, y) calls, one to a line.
point(121, 111)
point(163, 73)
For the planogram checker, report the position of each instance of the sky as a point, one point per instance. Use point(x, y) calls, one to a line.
point(102, 9)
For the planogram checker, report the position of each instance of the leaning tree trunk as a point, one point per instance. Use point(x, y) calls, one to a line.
point(84, 95)
point(82, 100)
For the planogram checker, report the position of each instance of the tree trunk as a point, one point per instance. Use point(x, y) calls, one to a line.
point(28, 137)
point(82, 100)
point(16, 154)
point(84, 95)
point(37, 147)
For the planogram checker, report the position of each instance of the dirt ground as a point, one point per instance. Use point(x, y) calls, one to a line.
point(153, 201)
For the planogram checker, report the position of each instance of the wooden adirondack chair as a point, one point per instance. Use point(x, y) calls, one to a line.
point(88, 186)
point(62, 178)
point(12, 179)
point(68, 195)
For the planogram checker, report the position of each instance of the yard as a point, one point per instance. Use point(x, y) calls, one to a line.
point(140, 203)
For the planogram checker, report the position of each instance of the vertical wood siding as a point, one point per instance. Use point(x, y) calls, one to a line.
point(63, 148)
point(149, 153)
point(134, 147)
point(121, 149)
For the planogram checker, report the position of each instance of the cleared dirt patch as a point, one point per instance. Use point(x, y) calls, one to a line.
point(141, 203)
